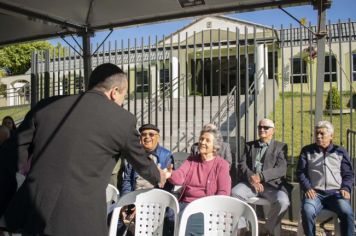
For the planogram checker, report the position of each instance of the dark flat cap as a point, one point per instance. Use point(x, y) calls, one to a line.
point(148, 126)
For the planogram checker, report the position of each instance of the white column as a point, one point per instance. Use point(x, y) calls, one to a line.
point(10, 95)
point(261, 65)
point(175, 77)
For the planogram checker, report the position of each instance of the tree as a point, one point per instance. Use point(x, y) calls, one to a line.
point(17, 58)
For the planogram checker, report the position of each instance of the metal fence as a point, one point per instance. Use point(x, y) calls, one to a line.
point(230, 76)
point(351, 149)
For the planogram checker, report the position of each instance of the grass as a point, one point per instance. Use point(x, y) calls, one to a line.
point(297, 128)
point(17, 113)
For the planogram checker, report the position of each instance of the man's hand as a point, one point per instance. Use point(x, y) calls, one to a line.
point(345, 194)
point(258, 187)
point(163, 178)
point(255, 179)
point(311, 194)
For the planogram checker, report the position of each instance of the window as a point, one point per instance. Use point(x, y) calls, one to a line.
point(330, 69)
point(142, 81)
point(299, 74)
point(79, 83)
point(270, 64)
point(164, 78)
point(353, 66)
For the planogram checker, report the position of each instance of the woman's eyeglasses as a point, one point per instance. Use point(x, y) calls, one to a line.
point(264, 127)
point(144, 134)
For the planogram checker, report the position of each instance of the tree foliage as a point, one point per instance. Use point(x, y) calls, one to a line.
point(17, 58)
point(333, 100)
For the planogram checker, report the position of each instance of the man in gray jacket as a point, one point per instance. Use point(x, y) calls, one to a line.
point(325, 175)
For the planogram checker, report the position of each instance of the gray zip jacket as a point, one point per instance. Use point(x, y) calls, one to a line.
point(326, 171)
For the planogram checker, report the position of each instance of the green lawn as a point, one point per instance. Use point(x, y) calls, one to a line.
point(297, 131)
point(18, 113)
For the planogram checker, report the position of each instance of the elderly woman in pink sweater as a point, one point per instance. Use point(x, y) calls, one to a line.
point(201, 175)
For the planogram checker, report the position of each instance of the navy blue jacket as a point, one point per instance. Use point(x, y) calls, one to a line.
point(164, 158)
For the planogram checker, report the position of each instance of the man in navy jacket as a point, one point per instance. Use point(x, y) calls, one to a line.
point(149, 137)
point(326, 178)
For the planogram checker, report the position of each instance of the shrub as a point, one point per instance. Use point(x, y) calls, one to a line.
point(335, 101)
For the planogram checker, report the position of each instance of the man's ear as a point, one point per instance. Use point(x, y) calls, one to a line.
point(114, 92)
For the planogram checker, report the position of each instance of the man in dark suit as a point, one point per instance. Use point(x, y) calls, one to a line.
point(73, 141)
point(224, 151)
point(263, 167)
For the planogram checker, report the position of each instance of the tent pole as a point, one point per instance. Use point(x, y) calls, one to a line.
point(86, 58)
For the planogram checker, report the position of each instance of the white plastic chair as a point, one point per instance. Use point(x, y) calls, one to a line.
point(151, 206)
point(221, 215)
point(112, 197)
point(323, 215)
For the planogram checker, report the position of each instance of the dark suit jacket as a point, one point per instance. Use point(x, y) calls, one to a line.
point(274, 163)
point(224, 152)
point(74, 141)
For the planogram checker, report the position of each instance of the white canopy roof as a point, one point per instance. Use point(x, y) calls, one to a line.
point(24, 20)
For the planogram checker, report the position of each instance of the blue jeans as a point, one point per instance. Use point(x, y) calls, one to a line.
point(333, 202)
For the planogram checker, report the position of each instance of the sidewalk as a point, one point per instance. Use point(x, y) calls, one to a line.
point(290, 228)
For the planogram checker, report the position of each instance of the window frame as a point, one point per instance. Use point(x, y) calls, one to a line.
point(333, 74)
point(142, 75)
point(299, 78)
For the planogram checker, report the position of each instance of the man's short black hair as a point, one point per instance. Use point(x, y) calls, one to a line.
point(102, 72)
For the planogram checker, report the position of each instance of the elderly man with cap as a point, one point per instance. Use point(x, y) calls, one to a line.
point(162, 157)
point(263, 167)
point(149, 137)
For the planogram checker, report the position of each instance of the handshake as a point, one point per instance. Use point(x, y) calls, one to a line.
point(164, 174)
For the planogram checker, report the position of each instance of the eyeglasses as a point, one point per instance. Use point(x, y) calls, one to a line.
point(151, 134)
point(264, 127)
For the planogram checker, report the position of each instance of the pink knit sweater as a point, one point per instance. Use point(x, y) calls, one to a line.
point(202, 178)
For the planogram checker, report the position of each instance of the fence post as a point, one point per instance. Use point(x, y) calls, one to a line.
point(34, 70)
point(46, 74)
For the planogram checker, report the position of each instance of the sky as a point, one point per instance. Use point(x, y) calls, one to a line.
point(340, 10)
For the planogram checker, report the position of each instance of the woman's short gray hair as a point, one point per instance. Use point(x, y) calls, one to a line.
point(213, 130)
point(325, 124)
